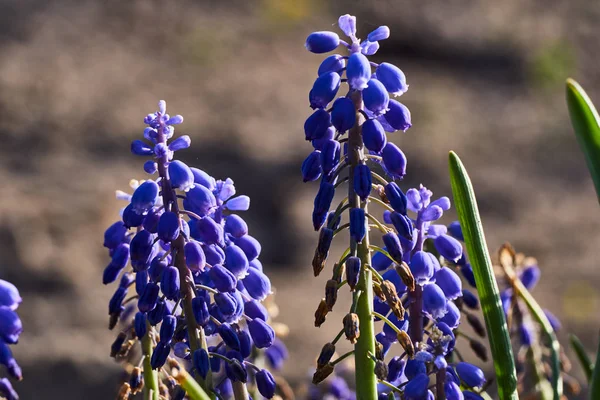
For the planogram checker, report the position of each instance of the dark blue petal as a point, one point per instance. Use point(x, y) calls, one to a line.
point(262, 334)
point(315, 126)
point(452, 317)
point(416, 389)
point(265, 383)
point(322, 42)
point(169, 283)
point(181, 176)
point(449, 282)
point(236, 226)
point(343, 114)
point(194, 256)
point(333, 63)
point(353, 268)
point(471, 375)
point(393, 246)
point(250, 246)
point(167, 328)
point(456, 231)
point(159, 355)
point(203, 179)
point(396, 197)
point(398, 116)
point(322, 204)
point(330, 155)
point(236, 260)
point(131, 219)
point(362, 181)
point(200, 200)
point(448, 247)
point(376, 97)
point(358, 228)
point(324, 90)
point(115, 235)
point(394, 160)
point(311, 167)
point(168, 226)
point(140, 148)
point(144, 197)
point(392, 78)
point(358, 71)
point(530, 276)
point(434, 301)
point(201, 362)
point(149, 298)
point(422, 267)
point(257, 284)
point(374, 136)
point(139, 324)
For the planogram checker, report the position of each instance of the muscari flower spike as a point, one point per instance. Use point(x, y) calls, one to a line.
point(418, 294)
point(10, 330)
point(182, 246)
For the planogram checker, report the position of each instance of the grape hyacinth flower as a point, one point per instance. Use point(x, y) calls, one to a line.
point(414, 292)
point(190, 283)
point(10, 330)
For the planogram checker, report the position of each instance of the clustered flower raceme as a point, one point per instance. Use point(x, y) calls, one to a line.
point(194, 267)
point(10, 330)
point(416, 296)
point(325, 126)
point(528, 339)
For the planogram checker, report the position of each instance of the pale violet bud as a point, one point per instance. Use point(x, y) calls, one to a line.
point(381, 33)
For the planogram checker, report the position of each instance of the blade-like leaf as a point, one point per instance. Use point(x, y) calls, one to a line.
point(487, 287)
point(582, 356)
point(595, 382)
point(540, 317)
point(586, 123)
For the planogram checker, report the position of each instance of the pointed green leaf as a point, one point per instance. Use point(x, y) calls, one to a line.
point(582, 356)
point(487, 287)
point(595, 382)
point(586, 123)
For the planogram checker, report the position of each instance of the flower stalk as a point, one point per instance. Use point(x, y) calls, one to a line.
point(366, 381)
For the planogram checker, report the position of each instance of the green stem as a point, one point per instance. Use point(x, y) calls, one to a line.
point(240, 391)
point(366, 382)
point(150, 375)
point(193, 390)
point(381, 203)
point(387, 321)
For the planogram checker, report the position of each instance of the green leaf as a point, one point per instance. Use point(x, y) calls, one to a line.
point(586, 123)
point(487, 288)
point(582, 356)
point(540, 317)
point(595, 383)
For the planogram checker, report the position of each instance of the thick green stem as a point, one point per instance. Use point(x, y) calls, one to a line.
point(150, 375)
point(240, 391)
point(366, 382)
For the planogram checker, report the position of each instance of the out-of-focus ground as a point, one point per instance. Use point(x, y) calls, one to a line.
point(76, 78)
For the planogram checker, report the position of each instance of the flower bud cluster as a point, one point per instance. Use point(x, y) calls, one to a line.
point(10, 330)
point(189, 262)
point(418, 298)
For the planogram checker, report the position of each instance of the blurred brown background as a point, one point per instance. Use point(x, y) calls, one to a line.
point(77, 77)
